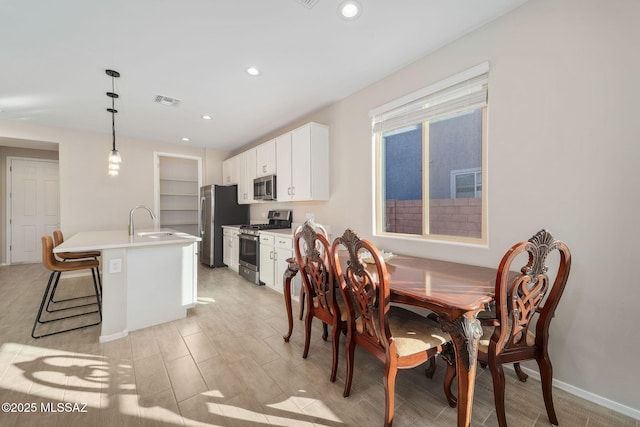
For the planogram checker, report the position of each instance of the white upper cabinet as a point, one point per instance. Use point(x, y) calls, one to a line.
point(241, 170)
point(266, 158)
point(246, 175)
point(283, 174)
point(230, 170)
point(299, 159)
point(302, 159)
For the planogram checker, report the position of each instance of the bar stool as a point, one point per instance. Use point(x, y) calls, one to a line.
point(58, 239)
point(57, 267)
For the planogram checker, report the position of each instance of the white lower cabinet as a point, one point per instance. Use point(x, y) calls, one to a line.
point(230, 242)
point(274, 251)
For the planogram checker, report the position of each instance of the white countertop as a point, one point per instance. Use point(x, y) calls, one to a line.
point(279, 232)
point(97, 240)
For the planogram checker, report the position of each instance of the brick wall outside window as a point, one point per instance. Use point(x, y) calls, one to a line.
point(450, 217)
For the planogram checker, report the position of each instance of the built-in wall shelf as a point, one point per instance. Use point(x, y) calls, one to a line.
point(178, 192)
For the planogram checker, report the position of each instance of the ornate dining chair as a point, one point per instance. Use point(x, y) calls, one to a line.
point(318, 229)
point(57, 267)
point(312, 251)
point(400, 338)
point(524, 302)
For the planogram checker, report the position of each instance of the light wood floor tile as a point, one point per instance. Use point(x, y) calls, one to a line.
point(226, 364)
point(170, 341)
point(200, 346)
point(150, 375)
point(188, 325)
point(221, 380)
point(185, 378)
point(143, 343)
point(160, 409)
point(202, 410)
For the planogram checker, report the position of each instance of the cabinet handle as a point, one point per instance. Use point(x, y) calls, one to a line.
point(271, 255)
point(293, 190)
point(264, 168)
point(289, 190)
point(275, 256)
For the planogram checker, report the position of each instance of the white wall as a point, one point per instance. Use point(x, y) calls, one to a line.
point(89, 198)
point(213, 166)
point(563, 155)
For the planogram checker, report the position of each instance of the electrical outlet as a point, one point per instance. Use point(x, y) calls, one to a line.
point(115, 265)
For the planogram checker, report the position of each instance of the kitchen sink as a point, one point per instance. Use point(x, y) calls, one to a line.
point(155, 234)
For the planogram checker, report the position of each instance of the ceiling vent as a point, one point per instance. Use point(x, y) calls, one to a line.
point(165, 100)
point(308, 3)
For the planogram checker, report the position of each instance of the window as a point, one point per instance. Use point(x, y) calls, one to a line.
point(430, 160)
point(466, 184)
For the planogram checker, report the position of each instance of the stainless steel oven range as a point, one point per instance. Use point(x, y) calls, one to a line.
point(249, 250)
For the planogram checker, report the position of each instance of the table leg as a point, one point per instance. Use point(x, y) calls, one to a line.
point(465, 333)
point(292, 270)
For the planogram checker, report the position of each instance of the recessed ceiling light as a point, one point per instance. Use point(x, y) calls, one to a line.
point(185, 139)
point(206, 117)
point(350, 9)
point(253, 71)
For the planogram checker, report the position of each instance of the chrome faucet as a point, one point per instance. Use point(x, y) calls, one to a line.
point(131, 227)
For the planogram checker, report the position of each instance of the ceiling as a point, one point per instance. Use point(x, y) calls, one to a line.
point(55, 53)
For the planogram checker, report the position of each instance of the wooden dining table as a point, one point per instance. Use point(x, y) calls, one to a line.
point(456, 292)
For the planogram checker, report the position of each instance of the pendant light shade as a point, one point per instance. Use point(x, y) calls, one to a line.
point(114, 156)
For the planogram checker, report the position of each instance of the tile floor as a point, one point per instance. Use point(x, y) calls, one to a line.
point(226, 364)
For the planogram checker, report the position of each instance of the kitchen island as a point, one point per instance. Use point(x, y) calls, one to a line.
point(147, 279)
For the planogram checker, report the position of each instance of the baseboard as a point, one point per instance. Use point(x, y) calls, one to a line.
point(116, 336)
point(587, 395)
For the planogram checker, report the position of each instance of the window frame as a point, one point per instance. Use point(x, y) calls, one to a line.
point(379, 190)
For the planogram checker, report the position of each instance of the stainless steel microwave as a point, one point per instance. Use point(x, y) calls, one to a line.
point(264, 188)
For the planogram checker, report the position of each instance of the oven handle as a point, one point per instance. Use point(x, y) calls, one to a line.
point(249, 237)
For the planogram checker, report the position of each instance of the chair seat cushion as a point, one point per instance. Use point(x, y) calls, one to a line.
point(487, 331)
point(78, 255)
point(414, 333)
point(341, 306)
point(73, 265)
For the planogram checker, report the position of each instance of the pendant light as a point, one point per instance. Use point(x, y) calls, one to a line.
point(114, 156)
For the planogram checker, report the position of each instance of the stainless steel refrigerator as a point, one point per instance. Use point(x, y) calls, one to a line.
point(218, 206)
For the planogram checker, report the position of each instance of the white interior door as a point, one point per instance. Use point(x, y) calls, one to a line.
point(34, 211)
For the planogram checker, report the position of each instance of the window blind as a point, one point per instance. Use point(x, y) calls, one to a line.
point(463, 91)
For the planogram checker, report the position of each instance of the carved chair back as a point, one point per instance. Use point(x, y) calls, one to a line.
point(366, 293)
point(529, 297)
point(312, 251)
